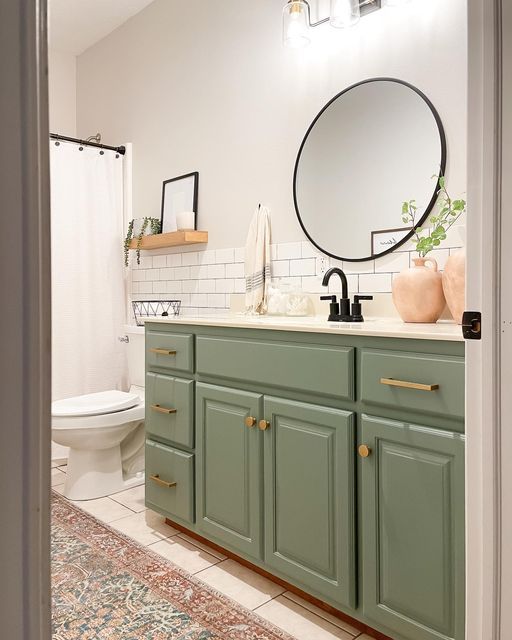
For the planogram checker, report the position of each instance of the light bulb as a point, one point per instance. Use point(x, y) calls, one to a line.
point(296, 24)
point(344, 13)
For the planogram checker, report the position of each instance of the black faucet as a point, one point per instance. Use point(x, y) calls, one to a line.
point(341, 312)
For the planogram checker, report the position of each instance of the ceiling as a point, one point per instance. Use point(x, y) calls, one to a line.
point(75, 25)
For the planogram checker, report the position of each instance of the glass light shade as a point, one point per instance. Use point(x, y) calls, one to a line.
point(344, 13)
point(396, 3)
point(296, 24)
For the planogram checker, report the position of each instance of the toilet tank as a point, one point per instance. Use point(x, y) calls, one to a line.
point(136, 356)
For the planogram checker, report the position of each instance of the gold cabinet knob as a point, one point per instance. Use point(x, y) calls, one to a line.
point(364, 451)
point(250, 421)
point(264, 425)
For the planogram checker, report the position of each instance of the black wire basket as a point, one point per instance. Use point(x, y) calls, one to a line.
point(146, 309)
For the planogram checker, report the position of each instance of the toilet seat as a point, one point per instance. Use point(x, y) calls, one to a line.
point(93, 422)
point(94, 404)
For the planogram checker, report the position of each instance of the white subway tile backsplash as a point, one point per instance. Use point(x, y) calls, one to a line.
point(216, 300)
point(306, 267)
point(205, 280)
point(224, 256)
point(199, 299)
point(182, 273)
point(199, 273)
point(289, 251)
point(207, 257)
point(374, 283)
point(190, 258)
point(392, 262)
point(167, 273)
point(145, 287)
point(174, 260)
point(235, 270)
point(216, 271)
point(280, 268)
point(206, 286)
point(225, 286)
point(159, 262)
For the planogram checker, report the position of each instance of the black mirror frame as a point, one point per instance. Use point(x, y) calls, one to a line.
point(432, 202)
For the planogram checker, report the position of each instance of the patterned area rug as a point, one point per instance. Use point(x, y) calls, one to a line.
point(106, 586)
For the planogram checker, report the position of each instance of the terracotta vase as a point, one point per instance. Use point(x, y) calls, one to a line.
point(418, 292)
point(454, 284)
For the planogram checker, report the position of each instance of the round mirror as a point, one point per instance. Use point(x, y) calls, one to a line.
point(372, 147)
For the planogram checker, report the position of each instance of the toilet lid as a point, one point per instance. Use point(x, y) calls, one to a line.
point(95, 404)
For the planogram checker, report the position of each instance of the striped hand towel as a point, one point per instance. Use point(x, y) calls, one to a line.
point(257, 262)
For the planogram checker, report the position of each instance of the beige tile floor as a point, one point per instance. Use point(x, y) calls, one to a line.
point(126, 512)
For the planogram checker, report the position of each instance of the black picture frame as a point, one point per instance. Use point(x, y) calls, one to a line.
point(381, 232)
point(431, 204)
point(195, 196)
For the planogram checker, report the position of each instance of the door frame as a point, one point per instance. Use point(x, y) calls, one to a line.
point(25, 322)
point(483, 358)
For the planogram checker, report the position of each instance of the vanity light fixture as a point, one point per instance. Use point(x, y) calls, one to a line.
point(344, 13)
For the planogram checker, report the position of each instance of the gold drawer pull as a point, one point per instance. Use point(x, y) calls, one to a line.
point(163, 352)
point(264, 425)
point(250, 422)
point(159, 409)
point(390, 382)
point(158, 480)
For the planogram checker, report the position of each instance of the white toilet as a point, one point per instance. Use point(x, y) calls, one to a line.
point(105, 433)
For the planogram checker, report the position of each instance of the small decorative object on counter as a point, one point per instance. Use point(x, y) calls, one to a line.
point(298, 303)
point(454, 284)
point(277, 298)
point(418, 292)
point(138, 228)
point(144, 309)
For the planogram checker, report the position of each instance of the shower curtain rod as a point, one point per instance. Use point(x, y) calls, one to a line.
point(121, 150)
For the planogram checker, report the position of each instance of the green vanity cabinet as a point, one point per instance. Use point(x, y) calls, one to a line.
point(229, 464)
point(332, 461)
point(310, 497)
point(412, 529)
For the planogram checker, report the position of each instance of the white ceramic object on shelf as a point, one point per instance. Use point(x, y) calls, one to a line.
point(105, 434)
point(186, 221)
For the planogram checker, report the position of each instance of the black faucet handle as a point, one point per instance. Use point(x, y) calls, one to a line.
point(357, 308)
point(334, 307)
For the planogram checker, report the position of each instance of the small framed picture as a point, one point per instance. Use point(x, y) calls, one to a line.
point(179, 202)
point(385, 239)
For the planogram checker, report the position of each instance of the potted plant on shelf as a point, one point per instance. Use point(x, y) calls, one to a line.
point(419, 292)
point(138, 228)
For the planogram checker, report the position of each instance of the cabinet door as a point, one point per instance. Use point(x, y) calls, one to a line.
point(309, 497)
point(229, 465)
point(413, 529)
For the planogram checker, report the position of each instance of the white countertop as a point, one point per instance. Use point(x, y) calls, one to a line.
point(376, 327)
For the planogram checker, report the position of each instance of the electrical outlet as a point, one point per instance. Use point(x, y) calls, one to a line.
point(322, 265)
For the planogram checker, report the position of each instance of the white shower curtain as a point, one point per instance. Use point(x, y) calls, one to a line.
point(88, 290)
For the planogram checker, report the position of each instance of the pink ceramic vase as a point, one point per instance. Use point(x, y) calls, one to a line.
point(454, 284)
point(418, 292)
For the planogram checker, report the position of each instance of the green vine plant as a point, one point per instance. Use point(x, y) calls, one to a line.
point(154, 228)
point(449, 211)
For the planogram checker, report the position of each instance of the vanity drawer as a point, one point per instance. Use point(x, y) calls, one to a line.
point(170, 409)
point(313, 368)
point(173, 351)
point(170, 481)
point(416, 381)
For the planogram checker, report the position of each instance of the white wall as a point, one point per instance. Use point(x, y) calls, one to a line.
point(208, 86)
point(62, 92)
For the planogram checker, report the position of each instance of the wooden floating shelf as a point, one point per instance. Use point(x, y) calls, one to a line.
point(173, 239)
